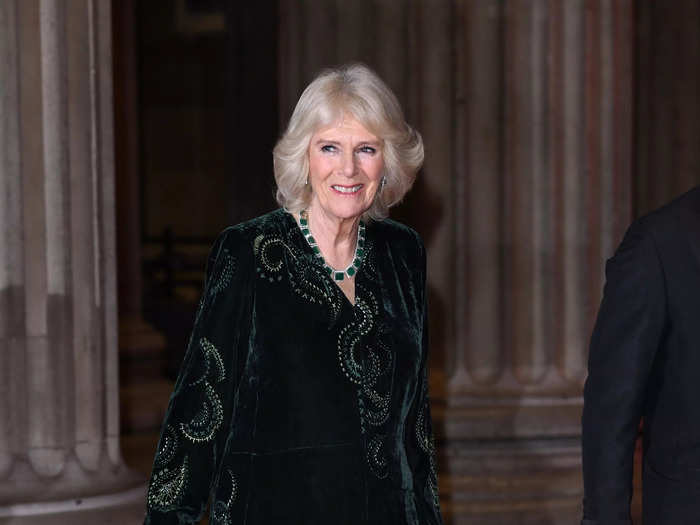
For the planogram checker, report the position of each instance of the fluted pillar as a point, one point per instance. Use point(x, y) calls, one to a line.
point(525, 109)
point(543, 198)
point(59, 430)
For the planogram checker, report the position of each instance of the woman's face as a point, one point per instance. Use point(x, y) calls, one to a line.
point(345, 168)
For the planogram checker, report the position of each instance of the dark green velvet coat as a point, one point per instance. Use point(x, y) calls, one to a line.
point(294, 406)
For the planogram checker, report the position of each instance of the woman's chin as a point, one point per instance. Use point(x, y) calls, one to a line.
point(341, 208)
point(348, 212)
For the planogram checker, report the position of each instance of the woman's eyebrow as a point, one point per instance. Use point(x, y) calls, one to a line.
point(375, 143)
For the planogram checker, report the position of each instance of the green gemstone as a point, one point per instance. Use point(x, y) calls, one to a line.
point(305, 231)
point(361, 243)
point(303, 222)
point(360, 252)
point(350, 271)
point(356, 262)
point(316, 249)
point(311, 239)
point(339, 276)
point(330, 270)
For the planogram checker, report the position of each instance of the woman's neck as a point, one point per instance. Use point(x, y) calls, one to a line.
point(335, 236)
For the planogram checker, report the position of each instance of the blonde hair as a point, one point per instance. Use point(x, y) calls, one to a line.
point(356, 90)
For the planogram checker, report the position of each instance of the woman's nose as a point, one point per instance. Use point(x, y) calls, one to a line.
point(348, 163)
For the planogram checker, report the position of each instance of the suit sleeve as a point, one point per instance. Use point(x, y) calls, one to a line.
point(196, 424)
point(420, 444)
point(627, 334)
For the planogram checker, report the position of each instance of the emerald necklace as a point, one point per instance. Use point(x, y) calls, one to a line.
point(357, 258)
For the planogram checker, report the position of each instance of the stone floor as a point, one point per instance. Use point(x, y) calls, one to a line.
point(138, 450)
point(121, 515)
point(124, 509)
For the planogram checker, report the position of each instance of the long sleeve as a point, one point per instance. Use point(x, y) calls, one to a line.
point(627, 334)
point(196, 424)
point(419, 441)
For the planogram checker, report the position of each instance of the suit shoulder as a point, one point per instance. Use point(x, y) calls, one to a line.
point(667, 221)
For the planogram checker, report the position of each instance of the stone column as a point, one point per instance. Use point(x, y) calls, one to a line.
point(543, 197)
point(59, 430)
point(525, 111)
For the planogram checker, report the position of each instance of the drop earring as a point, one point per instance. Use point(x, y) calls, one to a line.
point(383, 183)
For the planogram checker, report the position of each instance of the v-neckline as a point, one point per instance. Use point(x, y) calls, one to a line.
point(316, 260)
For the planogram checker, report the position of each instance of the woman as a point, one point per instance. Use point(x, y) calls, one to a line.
point(303, 394)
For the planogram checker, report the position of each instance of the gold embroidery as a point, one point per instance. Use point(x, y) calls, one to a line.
point(221, 510)
point(367, 362)
point(169, 444)
point(426, 441)
point(207, 420)
point(167, 486)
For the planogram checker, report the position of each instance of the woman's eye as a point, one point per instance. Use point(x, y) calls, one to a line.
point(368, 149)
point(328, 148)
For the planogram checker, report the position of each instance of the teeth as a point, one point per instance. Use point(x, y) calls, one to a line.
point(343, 189)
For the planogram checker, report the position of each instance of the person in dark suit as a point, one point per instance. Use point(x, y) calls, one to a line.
point(644, 365)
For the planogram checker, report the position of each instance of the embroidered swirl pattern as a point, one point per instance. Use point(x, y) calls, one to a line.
point(210, 354)
point(379, 362)
point(306, 276)
point(168, 486)
point(225, 276)
point(367, 362)
point(426, 442)
point(202, 427)
point(169, 444)
point(221, 510)
point(169, 483)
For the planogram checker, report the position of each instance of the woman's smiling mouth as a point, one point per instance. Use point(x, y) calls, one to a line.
point(347, 190)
